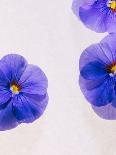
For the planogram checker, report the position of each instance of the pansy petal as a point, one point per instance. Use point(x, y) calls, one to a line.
point(38, 103)
point(114, 100)
point(75, 6)
point(93, 70)
point(7, 118)
point(98, 94)
point(111, 23)
point(77, 3)
point(4, 81)
point(96, 53)
point(109, 46)
point(5, 96)
point(93, 17)
point(27, 109)
point(13, 66)
point(106, 112)
point(33, 81)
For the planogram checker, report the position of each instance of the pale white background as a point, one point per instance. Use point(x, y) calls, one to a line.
point(48, 34)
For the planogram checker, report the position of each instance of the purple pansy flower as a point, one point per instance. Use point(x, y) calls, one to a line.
point(98, 76)
point(23, 91)
point(98, 15)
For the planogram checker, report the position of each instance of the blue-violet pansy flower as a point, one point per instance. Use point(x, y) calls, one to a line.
point(23, 91)
point(98, 15)
point(98, 76)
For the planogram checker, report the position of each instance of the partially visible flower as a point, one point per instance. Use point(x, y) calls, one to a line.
point(98, 15)
point(23, 91)
point(98, 74)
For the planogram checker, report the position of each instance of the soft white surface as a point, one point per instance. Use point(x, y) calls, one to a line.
point(50, 36)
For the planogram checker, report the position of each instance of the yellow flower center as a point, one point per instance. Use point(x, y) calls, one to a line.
point(15, 89)
point(113, 69)
point(112, 5)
